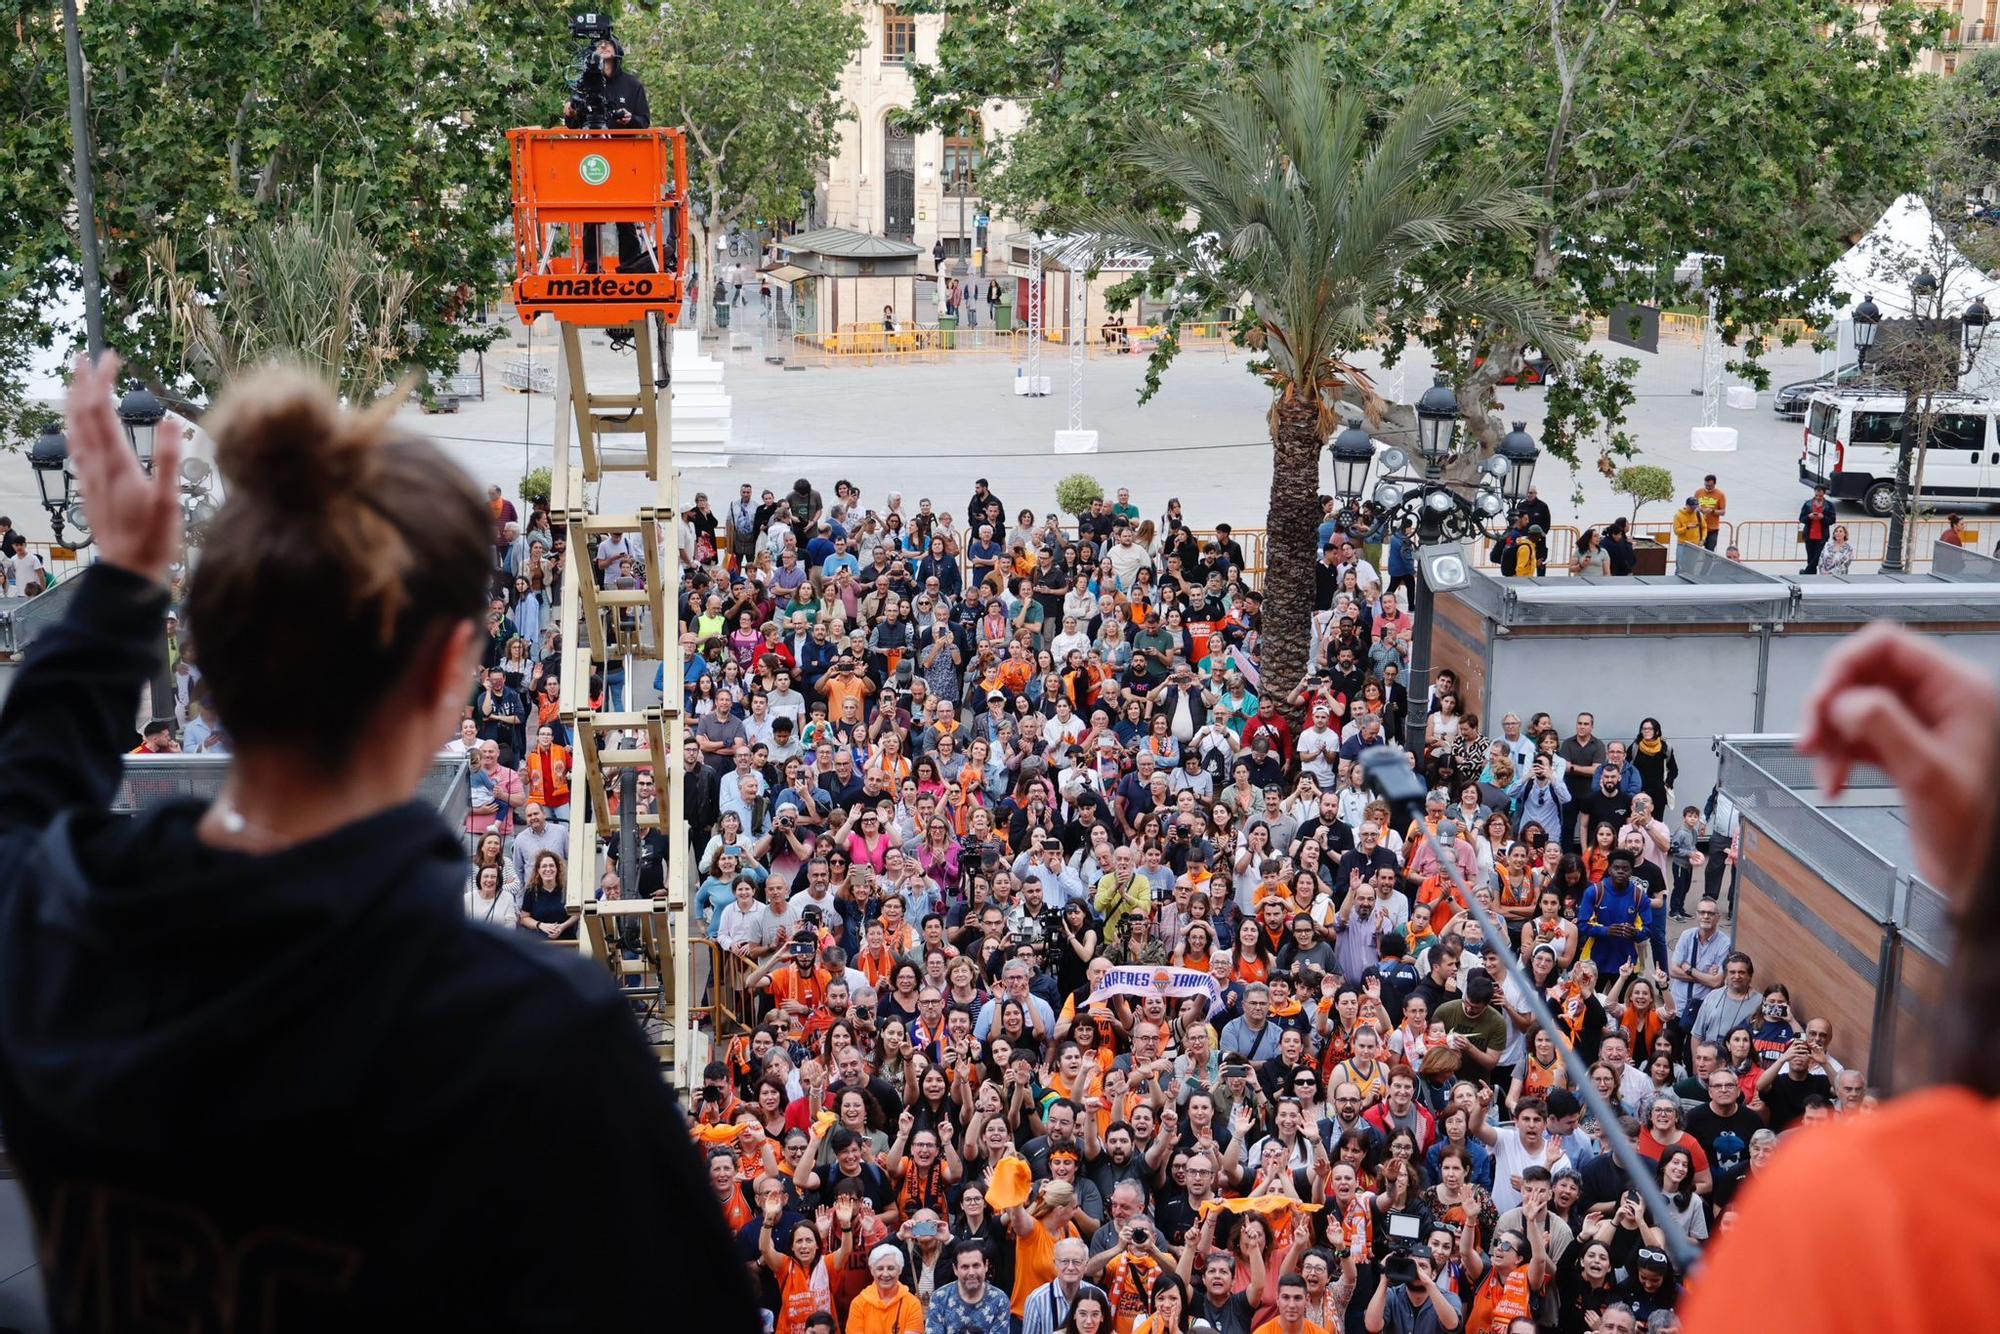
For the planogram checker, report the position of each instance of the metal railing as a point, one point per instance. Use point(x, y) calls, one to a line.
point(151, 780)
point(723, 1004)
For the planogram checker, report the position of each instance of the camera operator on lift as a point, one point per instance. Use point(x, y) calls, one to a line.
point(604, 97)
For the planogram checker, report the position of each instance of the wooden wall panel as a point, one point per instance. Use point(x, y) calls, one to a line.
point(1460, 640)
point(1800, 931)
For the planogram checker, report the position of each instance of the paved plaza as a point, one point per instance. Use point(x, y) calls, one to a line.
point(928, 429)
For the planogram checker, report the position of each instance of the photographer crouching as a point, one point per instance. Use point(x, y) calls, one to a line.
point(604, 96)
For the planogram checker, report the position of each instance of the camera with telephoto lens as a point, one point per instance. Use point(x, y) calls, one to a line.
point(586, 86)
point(1399, 1258)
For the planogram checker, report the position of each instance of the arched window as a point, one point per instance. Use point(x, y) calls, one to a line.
point(964, 155)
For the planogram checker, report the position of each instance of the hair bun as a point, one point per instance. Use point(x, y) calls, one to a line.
point(282, 439)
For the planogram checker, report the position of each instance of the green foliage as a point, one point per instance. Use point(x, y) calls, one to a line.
point(536, 486)
point(1644, 484)
point(204, 115)
point(1292, 193)
point(1587, 404)
point(756, 86)
point(306, 287)
point(1295, 199)
point(1087, 71)
point(1076, 492)
point(1649, 129)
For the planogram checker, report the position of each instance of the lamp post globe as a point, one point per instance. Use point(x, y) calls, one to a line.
point(1437, 421)
point(49, 457)
point(1975, 321)
point(1353, 454)
point(1867, 321)
point(141, 412)
point(1521, 452)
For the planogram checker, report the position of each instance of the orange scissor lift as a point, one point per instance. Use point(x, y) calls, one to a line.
point(567, 185)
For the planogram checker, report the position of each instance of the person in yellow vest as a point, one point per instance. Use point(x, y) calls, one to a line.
point(1689, 526)
point(1526, 553)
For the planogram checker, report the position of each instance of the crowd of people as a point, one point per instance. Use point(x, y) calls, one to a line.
point(945, 777)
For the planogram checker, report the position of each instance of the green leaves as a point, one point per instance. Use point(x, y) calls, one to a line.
point(205, 114)
point(756, 85)
point(1762, 135)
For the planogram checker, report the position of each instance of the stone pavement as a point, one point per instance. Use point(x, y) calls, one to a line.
point(929, 429)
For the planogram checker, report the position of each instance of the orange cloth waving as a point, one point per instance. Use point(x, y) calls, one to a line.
point(714, 1135)
point(1011, 1183)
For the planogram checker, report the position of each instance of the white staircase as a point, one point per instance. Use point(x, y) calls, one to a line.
point(701, 410)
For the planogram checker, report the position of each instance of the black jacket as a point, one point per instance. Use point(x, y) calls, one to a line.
point(305, 1083)
point(622, 92)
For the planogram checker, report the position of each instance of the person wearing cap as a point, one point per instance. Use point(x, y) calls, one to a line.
point(1616, 916)
point(1689, 526)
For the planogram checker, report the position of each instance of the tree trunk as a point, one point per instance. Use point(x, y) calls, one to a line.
point(1292, 522)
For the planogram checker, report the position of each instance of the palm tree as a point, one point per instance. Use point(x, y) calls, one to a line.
point(1286, 198)
point(308, 287)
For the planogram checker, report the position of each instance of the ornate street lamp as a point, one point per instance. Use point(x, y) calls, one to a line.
point(1974, 321)
point(1437, 422)
point(1443, 511)
point(1353, 454)
point(142, 413)
point(1520, 452)
point(1867, 320)
point(49, 457)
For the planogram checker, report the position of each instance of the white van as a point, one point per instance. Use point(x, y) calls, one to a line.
point(1850, 448)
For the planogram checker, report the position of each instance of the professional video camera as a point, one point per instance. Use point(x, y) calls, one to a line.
point(1399, 1259)
point(586, 86)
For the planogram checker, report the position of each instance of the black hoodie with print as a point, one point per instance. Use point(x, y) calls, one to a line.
point(303, 1091)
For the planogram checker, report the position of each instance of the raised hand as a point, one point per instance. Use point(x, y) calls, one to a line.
point(137, 518)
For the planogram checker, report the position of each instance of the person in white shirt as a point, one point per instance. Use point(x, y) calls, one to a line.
point(24, 571)
point(1519, 748)
point(1126, 557)
point(1062, 732)
point(1319, 748)
point(1519, 1146)
point(1071, 639)
point(467, 740)
point(746, 924)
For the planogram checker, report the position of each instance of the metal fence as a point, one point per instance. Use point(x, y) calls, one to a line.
point(863, 344)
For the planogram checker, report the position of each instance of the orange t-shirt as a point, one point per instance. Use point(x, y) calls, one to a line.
point(1852, 1209)
point(1035, 1262)
point(900, 1313)
point(839, 691)
point(800, 1293)
point(1277, 1326)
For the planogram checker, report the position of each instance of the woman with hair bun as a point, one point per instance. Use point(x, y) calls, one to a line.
point(257, 1035)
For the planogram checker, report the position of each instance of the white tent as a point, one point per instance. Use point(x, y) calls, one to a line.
point(1903, 241)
